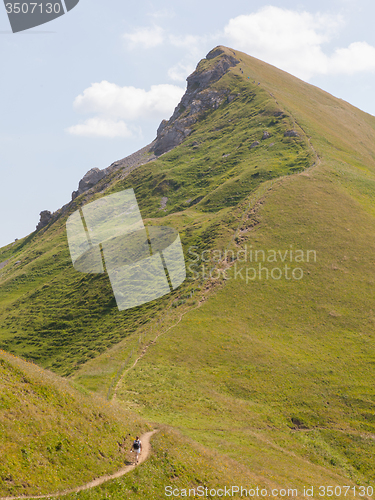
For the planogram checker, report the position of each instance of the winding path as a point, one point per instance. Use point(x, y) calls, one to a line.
point(146, 449)
point(252, 205)
point(146, 347)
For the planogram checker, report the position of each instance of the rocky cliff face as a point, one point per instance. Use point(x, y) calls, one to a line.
point(198, 98)
point(45, 219)
point(89, 180)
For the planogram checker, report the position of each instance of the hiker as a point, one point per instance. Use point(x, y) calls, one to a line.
point(137, 448)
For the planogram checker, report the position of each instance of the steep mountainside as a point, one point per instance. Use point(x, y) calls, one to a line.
point(270, 357)
point(60, 318)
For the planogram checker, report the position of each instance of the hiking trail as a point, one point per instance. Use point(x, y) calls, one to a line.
point(146, 449)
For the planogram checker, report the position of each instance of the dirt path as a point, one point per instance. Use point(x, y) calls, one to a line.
point(146, 449)
point(253, 205)
point(146, 347)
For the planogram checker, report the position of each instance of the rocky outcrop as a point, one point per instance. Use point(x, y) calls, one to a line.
point(127, 164)
point(198, 99)
point(266, 135)
point(45, 219)
point(89, 180)
point(290, 133)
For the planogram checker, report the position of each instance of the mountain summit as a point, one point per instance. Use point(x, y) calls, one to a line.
point(218, 79)
point(198, 98)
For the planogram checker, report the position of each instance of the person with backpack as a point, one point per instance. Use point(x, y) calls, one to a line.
point(137, 448)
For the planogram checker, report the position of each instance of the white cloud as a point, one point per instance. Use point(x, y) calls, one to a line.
point(294, 41)
point(99, 127)
point(194, 46)
point(146, 37)
point(359, 56)
point(114, 106)
point(129, 103)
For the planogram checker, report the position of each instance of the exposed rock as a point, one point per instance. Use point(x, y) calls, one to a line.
point(45, 219)
point(254, 144)
point(172, 136)
point(162, 125)
point(127, 164)
point(266, 135)
point(89, 180)
point(198, 99)
point(290, 133)
point(163, 203)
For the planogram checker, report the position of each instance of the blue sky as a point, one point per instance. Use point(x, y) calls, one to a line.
point(92, 86)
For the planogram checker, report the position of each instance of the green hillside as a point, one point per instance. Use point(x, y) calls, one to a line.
point(54, 437)
point(276, 372)
point(60, 318)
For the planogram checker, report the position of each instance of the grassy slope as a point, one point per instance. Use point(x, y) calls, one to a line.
point(55, 438)
point(181, 463)
point(257, 357)
point(253, 357)
point(287, 365)
point(52, 436)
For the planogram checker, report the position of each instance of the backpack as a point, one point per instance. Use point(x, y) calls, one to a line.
point(136, 445)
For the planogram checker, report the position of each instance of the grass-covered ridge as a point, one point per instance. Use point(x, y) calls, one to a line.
point(219, 164)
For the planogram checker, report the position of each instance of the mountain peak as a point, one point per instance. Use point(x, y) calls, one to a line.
point(198, 98)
